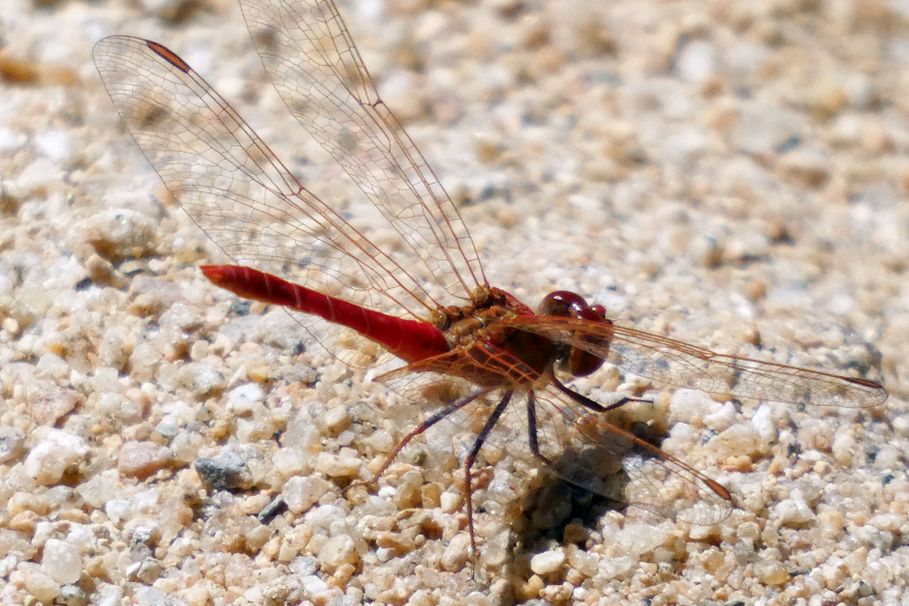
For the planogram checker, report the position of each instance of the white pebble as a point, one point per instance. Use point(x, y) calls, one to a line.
point(338, 550)
point(636, 539)
point(741, 439)
point(313, 585)
point(844, 446)
point(41, 587)
point(201, 379)
point(117, 509)
point(547, 562)
point(335, 420)
point(793, 513)
point(143, 459)
point(120, 233)
point(12, 441)
point(691, 406)
point(10, 141)
point(450, 502)
point(721, 419)
point(242, 399)
point(301, 493)
point(762, 419)
point(456, 553)
point(617, 567)
point(61, 561)
point(54, 144)
point(582, 561)
point(56, 451)
point(696, 61)
point(341, 465)
point(901, 425)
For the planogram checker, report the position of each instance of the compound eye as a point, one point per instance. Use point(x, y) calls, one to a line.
point(562, 303)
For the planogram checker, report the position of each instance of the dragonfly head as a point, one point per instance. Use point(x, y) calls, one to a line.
point(572, 359)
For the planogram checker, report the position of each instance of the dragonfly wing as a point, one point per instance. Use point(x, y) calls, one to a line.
point(680, 364)
point(315, 67)
point(579, 446)
point(236, 189)
point(609, 460)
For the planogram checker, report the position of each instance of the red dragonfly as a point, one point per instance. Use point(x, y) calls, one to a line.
point(499, 353)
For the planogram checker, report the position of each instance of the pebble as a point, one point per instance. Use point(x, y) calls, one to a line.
point(696, 61)
point(547, 562)
point(691, 406)
point(143, 459)
point(344, 464)
point(844, 447)
point(12, 444)
point(616, 567)
point(201, 379)
point(450, 502)
point(335, 420)
point(55, 144)
point(456, 553)
point(794, 513)
point(55, 452)
point(722, 419)
point(42, 587)
point(61, 561)
point(771, 573)
point(10, 141)
point(120, 233)
point(243, 399)
point(338, 550)
point(228, 471)
point(742, 439)
point(407, 493)
point(763, 423)
point(301, 493)
point(637, 539)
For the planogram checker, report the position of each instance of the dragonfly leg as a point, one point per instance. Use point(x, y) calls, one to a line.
point(532, 438)
point(424, 425)
point(590, 404)
point(469, 461)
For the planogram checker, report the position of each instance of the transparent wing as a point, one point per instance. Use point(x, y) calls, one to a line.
point(317, 70)
point(581, 446)
point(680, 364)
point(652, 480)
point(236, 189)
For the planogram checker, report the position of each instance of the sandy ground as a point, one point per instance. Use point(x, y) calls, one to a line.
point(733, 174)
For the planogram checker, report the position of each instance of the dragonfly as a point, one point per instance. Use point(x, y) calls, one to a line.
point(405, 272)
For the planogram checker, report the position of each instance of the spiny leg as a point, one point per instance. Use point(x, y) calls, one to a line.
point(469, 461)
point(426, 424)
point(534, 440)
point(590, 404)
point(532, 437)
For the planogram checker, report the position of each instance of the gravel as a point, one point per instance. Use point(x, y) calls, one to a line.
point(731, 174)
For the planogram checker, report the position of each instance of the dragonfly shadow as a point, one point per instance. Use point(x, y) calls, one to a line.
point(565, 507)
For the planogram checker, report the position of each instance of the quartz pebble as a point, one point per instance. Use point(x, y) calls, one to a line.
point(142, 459)
point(340, 465)
point(301, 493)
point(547, 562)
point(55, 452)
point(61, 561)
point(456, 553)
point(338, 550)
